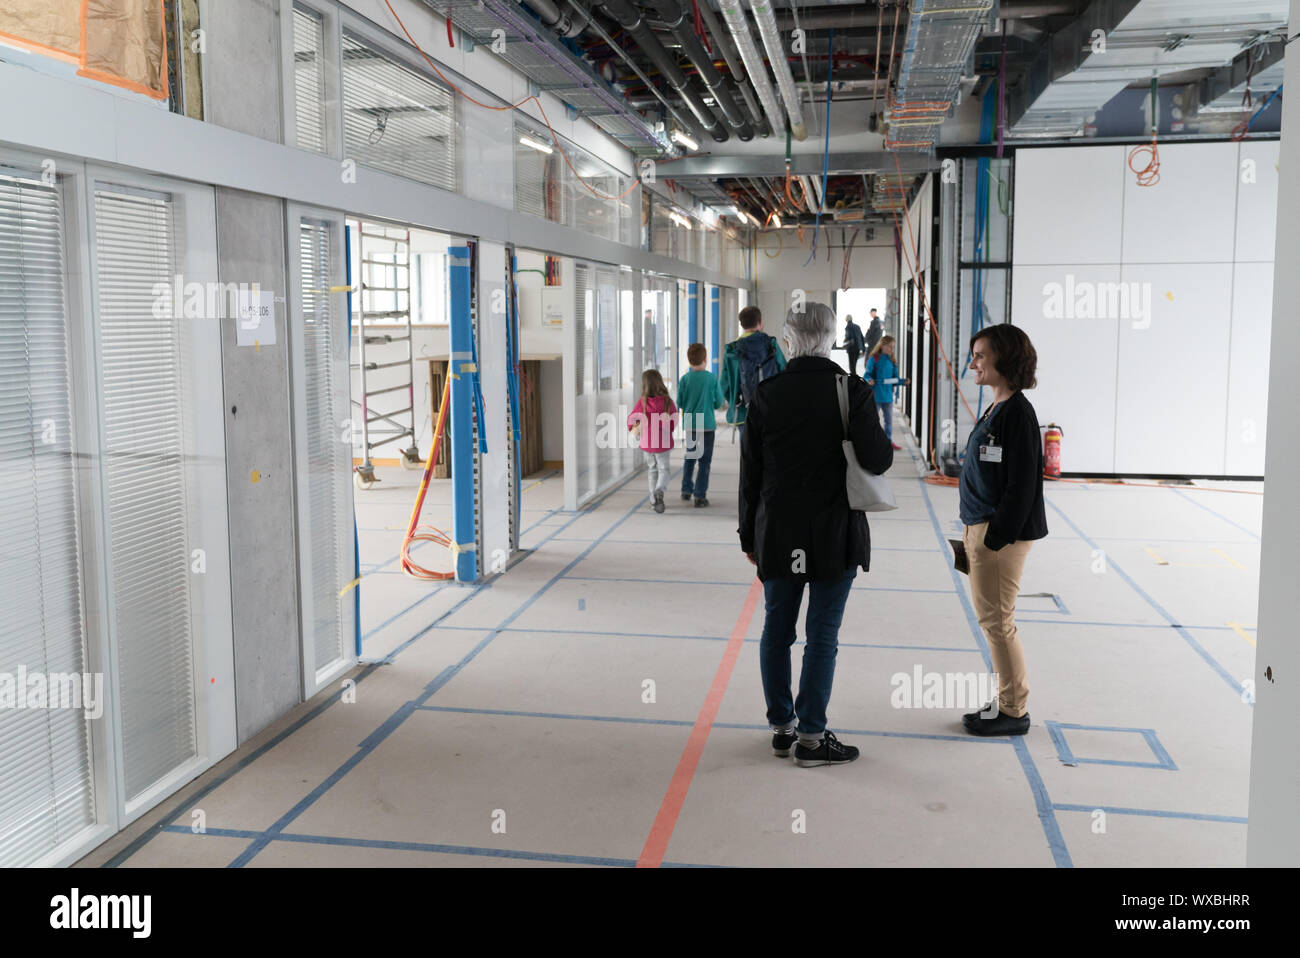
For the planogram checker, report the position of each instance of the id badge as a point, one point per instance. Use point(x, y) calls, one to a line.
point(990, 453)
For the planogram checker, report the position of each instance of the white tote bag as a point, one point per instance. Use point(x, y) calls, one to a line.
point(867, 491)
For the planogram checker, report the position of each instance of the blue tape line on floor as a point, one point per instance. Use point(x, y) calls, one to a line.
point(1051, 827)
point(429, 847)
point(1182, 631)
point(1152, 812)
point(404, 711)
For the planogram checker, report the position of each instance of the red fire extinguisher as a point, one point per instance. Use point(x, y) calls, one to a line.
point(1052, 451)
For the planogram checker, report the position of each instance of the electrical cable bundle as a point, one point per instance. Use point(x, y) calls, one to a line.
point(1148, 175)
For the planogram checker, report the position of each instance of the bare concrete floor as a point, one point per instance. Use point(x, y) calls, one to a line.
point(562, 713)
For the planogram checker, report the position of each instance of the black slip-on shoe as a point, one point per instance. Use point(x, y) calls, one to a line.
point(686, 497)
point(999, 725)
point(782, 743)
point(830, 751)
point(701, 503)
point(987, 710)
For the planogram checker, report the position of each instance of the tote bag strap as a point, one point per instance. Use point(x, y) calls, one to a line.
point(842, 388)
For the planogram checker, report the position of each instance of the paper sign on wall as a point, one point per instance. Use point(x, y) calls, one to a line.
point(255, 324)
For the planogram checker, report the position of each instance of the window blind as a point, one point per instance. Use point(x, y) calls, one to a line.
point(144, 435)
point(396, 119)
point(324, 419)
point(46, 781)
point(309, 80)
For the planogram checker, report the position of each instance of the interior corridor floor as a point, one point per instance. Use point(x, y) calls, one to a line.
point(512, 722)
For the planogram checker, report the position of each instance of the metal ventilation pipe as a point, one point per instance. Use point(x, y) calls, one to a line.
point(776, 57)
point(631, 21)
point(564, 23)
point(739, 26)
point(727, 47)
point(722, 88)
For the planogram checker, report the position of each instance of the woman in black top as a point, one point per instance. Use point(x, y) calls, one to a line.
point(1001, 495)
point(797, 527)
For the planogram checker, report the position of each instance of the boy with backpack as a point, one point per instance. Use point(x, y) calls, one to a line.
point(746, 362)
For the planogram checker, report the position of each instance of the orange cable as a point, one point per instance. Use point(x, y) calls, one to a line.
point(431, 534)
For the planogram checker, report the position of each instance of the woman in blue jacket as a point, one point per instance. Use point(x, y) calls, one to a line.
point(881, 368)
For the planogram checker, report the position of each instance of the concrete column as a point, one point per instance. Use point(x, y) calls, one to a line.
point(259, 470)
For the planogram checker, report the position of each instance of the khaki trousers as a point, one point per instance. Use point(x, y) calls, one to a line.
point(994, 584)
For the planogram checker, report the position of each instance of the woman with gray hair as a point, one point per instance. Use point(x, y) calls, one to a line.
point(797, 528)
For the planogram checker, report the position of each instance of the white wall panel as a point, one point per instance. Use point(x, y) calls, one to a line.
point(1187, 217)
point(1257, 188)
point(1171, 398)
point(1067, 207)
point(1247, 362)
point(1076, 367)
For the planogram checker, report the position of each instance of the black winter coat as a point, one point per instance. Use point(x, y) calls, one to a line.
point(792, 467)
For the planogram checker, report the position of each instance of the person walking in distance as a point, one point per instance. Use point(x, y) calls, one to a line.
point(854, 342)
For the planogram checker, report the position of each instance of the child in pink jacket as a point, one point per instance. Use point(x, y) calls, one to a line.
point(653, 419)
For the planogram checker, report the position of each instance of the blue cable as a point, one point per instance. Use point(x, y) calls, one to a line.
point(1252, 120)
point(826, 149)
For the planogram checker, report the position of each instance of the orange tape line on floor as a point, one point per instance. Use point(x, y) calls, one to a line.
point(652, 855)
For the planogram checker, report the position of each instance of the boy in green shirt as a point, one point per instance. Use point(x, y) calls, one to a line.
point(698, 394)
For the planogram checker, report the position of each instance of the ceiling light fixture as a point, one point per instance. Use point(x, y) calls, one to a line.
point(535, 144)
point(681, 138)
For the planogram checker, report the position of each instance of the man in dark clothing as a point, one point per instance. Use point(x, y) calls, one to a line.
point(853, 343)
point(875, 330)
point(797, 528)
point(754, 355)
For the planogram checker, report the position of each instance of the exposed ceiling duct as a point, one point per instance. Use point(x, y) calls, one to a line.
point(567, 23)
point(631, 20)
point(1119, 42)
point(780, 66)
point(536, 52)
point(739, 26)
point(937, 53)
point(727, 47)
point(722, 88)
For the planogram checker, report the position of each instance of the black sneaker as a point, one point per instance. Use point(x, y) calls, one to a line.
point(701, 503)
point(782, 743)
point(686, 497)
point(1002, 724)
point(987, 710)
point(828, 752)
point(659, 502)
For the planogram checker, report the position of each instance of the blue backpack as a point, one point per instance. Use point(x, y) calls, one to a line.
point(756, 356)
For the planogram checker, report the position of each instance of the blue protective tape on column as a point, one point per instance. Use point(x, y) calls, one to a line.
point(693, 311)
point(714, 318)
point(461, 328)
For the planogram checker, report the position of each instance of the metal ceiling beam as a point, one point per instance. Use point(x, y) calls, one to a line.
point(1233, 76)
point(859, 16)
point(800, 164)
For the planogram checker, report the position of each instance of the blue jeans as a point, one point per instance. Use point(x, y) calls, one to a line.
point(821, 633)
point(699, 443)
point(887, 410)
